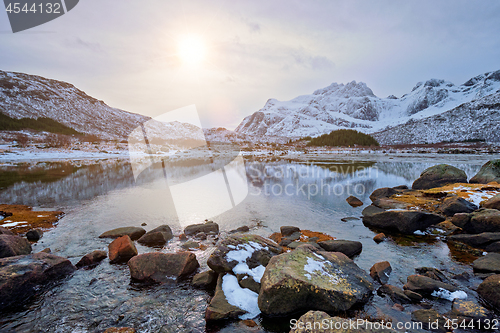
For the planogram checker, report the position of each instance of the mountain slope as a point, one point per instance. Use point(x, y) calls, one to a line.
point(30, 96)
point(355, 106)
point(477, 120)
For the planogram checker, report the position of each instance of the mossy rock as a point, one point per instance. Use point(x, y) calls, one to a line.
point(305, 279)
point(490, 172)
point(439, 175)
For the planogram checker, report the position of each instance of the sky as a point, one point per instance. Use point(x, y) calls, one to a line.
point(129, 53)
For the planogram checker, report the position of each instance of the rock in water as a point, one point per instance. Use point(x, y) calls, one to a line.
point(121, 250)
point(205, 280)
point(347, 247)
point(304, 279)
point(489, 290)
point(92, 259)
point(381, 271)
point(426, 286)
point(21, 277)
point(11, 245)
point(490, 172)
point(383, 192)
point(395, 293)
point(482, 220)
point(313, 321)
point(379, 238)
point(245, 250)
point(489, 263)
point(439, 175)
point(157, 237)
point(34, 235)
point(454, 205)
point(207, 227)
point(133, 232)
point(161, 267)
point(354, 202)
point(404, 221)
point(428, 317)
point(288, 230)
point(469, 309)
point(219, 307)
point(481, 240)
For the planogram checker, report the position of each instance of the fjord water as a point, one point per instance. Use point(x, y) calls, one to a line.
point(100, 195)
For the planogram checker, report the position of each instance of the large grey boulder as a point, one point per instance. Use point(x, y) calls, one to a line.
point(304, 279)
point(347, 247)
point(157, 237)
point(454, 205)
point(427, 286)
point(133, 232)
point(12, 245)
point(489, 263)
point(481, 240)
point(490, 172)
point(404, 221)
point(482, 220)
point(207, 227)
point(439, 175)
point(21, 277)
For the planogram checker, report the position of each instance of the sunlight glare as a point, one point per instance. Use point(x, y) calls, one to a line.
point(191, 50)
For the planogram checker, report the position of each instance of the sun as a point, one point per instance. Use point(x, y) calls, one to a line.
point(191, 50)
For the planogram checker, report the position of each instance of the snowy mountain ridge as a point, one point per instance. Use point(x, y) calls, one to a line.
point(30, 96)
point(354, 105)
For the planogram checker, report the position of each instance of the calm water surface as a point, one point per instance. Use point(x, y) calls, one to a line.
point(101, 195)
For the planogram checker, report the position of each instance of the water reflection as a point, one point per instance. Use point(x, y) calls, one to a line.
point(98, 196)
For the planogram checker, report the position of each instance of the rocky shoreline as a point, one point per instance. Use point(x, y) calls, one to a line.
point(301, 271)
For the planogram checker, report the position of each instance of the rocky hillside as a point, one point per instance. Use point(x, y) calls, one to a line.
point(477, 120)
point(30, 96)
point(355, 106)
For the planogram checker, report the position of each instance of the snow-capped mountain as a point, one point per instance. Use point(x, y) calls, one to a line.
point(476, 120)
point(31, 96)
point(354, 105)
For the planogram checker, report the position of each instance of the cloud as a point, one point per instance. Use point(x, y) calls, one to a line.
point(80, 43)
point(314, 62)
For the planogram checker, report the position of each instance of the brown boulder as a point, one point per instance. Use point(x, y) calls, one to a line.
point(11, 245)
point(161, 267)
point(489, 290)
point(92, 259)
point(354, 202)
point(121, 250)
point(381, 271)
point(157, 237)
